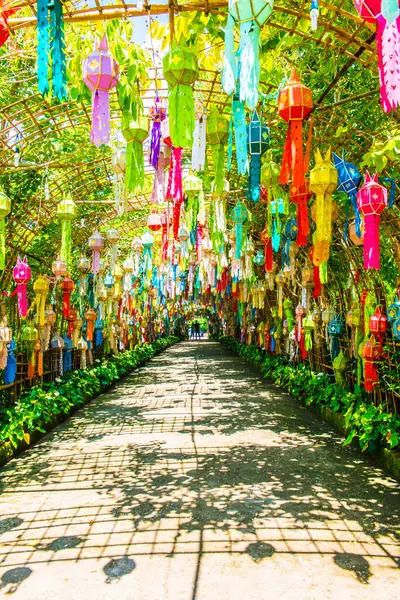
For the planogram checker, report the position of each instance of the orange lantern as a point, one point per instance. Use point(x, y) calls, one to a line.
point(90, 316)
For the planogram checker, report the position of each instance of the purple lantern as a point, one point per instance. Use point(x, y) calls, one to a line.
point(100, 72)
point(158, 114)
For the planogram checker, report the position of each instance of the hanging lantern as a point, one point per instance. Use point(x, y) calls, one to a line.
point(83, 266)
point(328, 315)
point(113, 238)
point(371, 201)
point(371, 352)
point(269, 179)
point(154, 221)
point(377, 324)
point(250, 15)
point(268, 255)
point(239, 216)
point(308, 325)
point(158, 192)
point(118, 162)
point(59, 268)
point(118, 276)
point(193, 189)
point(386, 17)
point(21, 276)
point(258, 138)
point(294, 104)
point(66, 211)
point(280, 280)
point(259, 259)
point(147, 243)
point(180, 69)
point(41, 289)
point(393, 312)
point(336, 328)
point(158, 113)
point(323, 181)
point(82, 346)
point(5, 209)
point(90, 316)
point(29, 335)
point(100, 72)
point(51, 45)
point(199, 137)
point(135, 133)
point(96, 245)
point(67, 286)
point(217, 136)
point(349, 178)
point(357, 240)
point(300, 196)
point(339, 366)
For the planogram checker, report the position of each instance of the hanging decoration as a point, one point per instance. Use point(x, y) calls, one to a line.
point(5, 13)
point(258, 138)
point(323, 181)
point(239, 216)
point(217, 136)
point(113, 238)
point(300, 197)
point(349, 178)
point(199, 137)
point(385, 14)
point(5, 209)
point(314, 12)
point(51, 45)
point(294, 104)
point(180, 69)
point(250, 15)
point(96, 245)
point(67, 286)
point(41, 289)
point(66, 211)
point(100, 72)
point(371, 201)
point(135, 132)
point(22, 275)
point(158, 113)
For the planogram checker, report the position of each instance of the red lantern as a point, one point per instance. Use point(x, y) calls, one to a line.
point(378, 323)
point(154, 221)
point(267, 241)
point(90, 316)
point(371, 352)
point(294, 104)
point(71, 318)
point(300, 196)
point(67, 285)
point(371, 201)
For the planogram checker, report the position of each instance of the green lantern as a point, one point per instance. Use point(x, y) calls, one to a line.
point(67, 211)
point(5, 209)
point(180, 69)
point(217, 136)
point(135, 132)
point(239, 216)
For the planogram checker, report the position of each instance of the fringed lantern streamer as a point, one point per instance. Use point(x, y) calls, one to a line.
point(217, 136)
point(251, 16)
point(180, 69)
point(174, 185)
point(157, 116)
point(21, 276)
point(135, 132)
point(239, 123)
point(41, 289)
point(199, 138)
point(43, 46)
point(349, 179)
point(96, 245)
point(258, 138)
point(5, 209)
point(294, 104)
point(386, 16)
point(11, 367)
point(300, 196)
point(67, 286)
point(66, 211)
point(239, 216)
point(158, 192)
point(323, 181)
point(371, 201)
point(266, 240)
point(100, 72)
point(50, 34)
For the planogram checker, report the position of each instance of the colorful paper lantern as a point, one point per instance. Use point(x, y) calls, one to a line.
point(371, 352)
point(66, 211)
point(217, 136)
point(135, 132)
point(371, 201)
point(323, 181)
point(239, 216)
point(22, 275)
point(5, 209)
point(158, 114)
point(100, 72)
point(41, 289)
point(349, 178)
point(386, 16)
point(180, 69)
point(59, 268)
point(154, 221)
point(96, 245)
point(294, 104)
point(250, 15)
point(50, 29)
point(258, 138)
point(67, 286)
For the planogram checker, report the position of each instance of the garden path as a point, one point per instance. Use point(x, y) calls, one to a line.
point(194, 479)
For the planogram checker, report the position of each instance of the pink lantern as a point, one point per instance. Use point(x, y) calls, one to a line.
point(100, 72)
point(154, 221)
point(387, 18)
point(21, 276)
point(96, 244)
point(371, 201)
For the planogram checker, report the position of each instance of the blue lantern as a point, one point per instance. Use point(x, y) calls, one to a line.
point(258, 138)
point(348, 182)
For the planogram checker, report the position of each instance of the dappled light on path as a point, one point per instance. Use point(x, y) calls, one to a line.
point(194, 479)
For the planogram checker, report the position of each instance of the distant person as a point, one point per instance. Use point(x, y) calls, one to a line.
point(197, 330)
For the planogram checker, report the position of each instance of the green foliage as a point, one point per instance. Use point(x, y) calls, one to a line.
point(38, 407)
point(372, 426)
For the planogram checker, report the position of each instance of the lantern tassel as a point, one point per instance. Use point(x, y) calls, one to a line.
point(66, 304)
point(371, 242)
point(239, 122)
point(58, 65)
point(249, 53)
point(22, 299)
point(11, 367)
point(2, 244)
point(239, 240)
point(254, 177)
point(218, 151)
point(229, 71)
point(66, 241)
point(181, 115)
point(155, 143)
point(100, 133)
point(174, 186)
point(199, 144)
point(43, 46)
point(388, 44)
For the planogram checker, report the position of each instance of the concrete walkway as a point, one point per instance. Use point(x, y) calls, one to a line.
point(196, 480)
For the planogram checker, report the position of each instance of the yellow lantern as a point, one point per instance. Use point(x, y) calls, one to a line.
point(323, 181)
point(41, 288)
point(5, 209)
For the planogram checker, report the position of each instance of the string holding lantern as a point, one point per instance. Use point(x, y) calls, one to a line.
point(199, 137)
point(96, 245)
point(371, 201)
point(22, 275)
point(258, 139)
point(100, 72)
point(349, 178)
point(217, 136)
point(294, 105)
point(323, 181)
point(180, 70)
point(158, 113)
point(250, 15)
point(5, 209)
point(135, 131)
point(66, 211)
point(386, 16)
